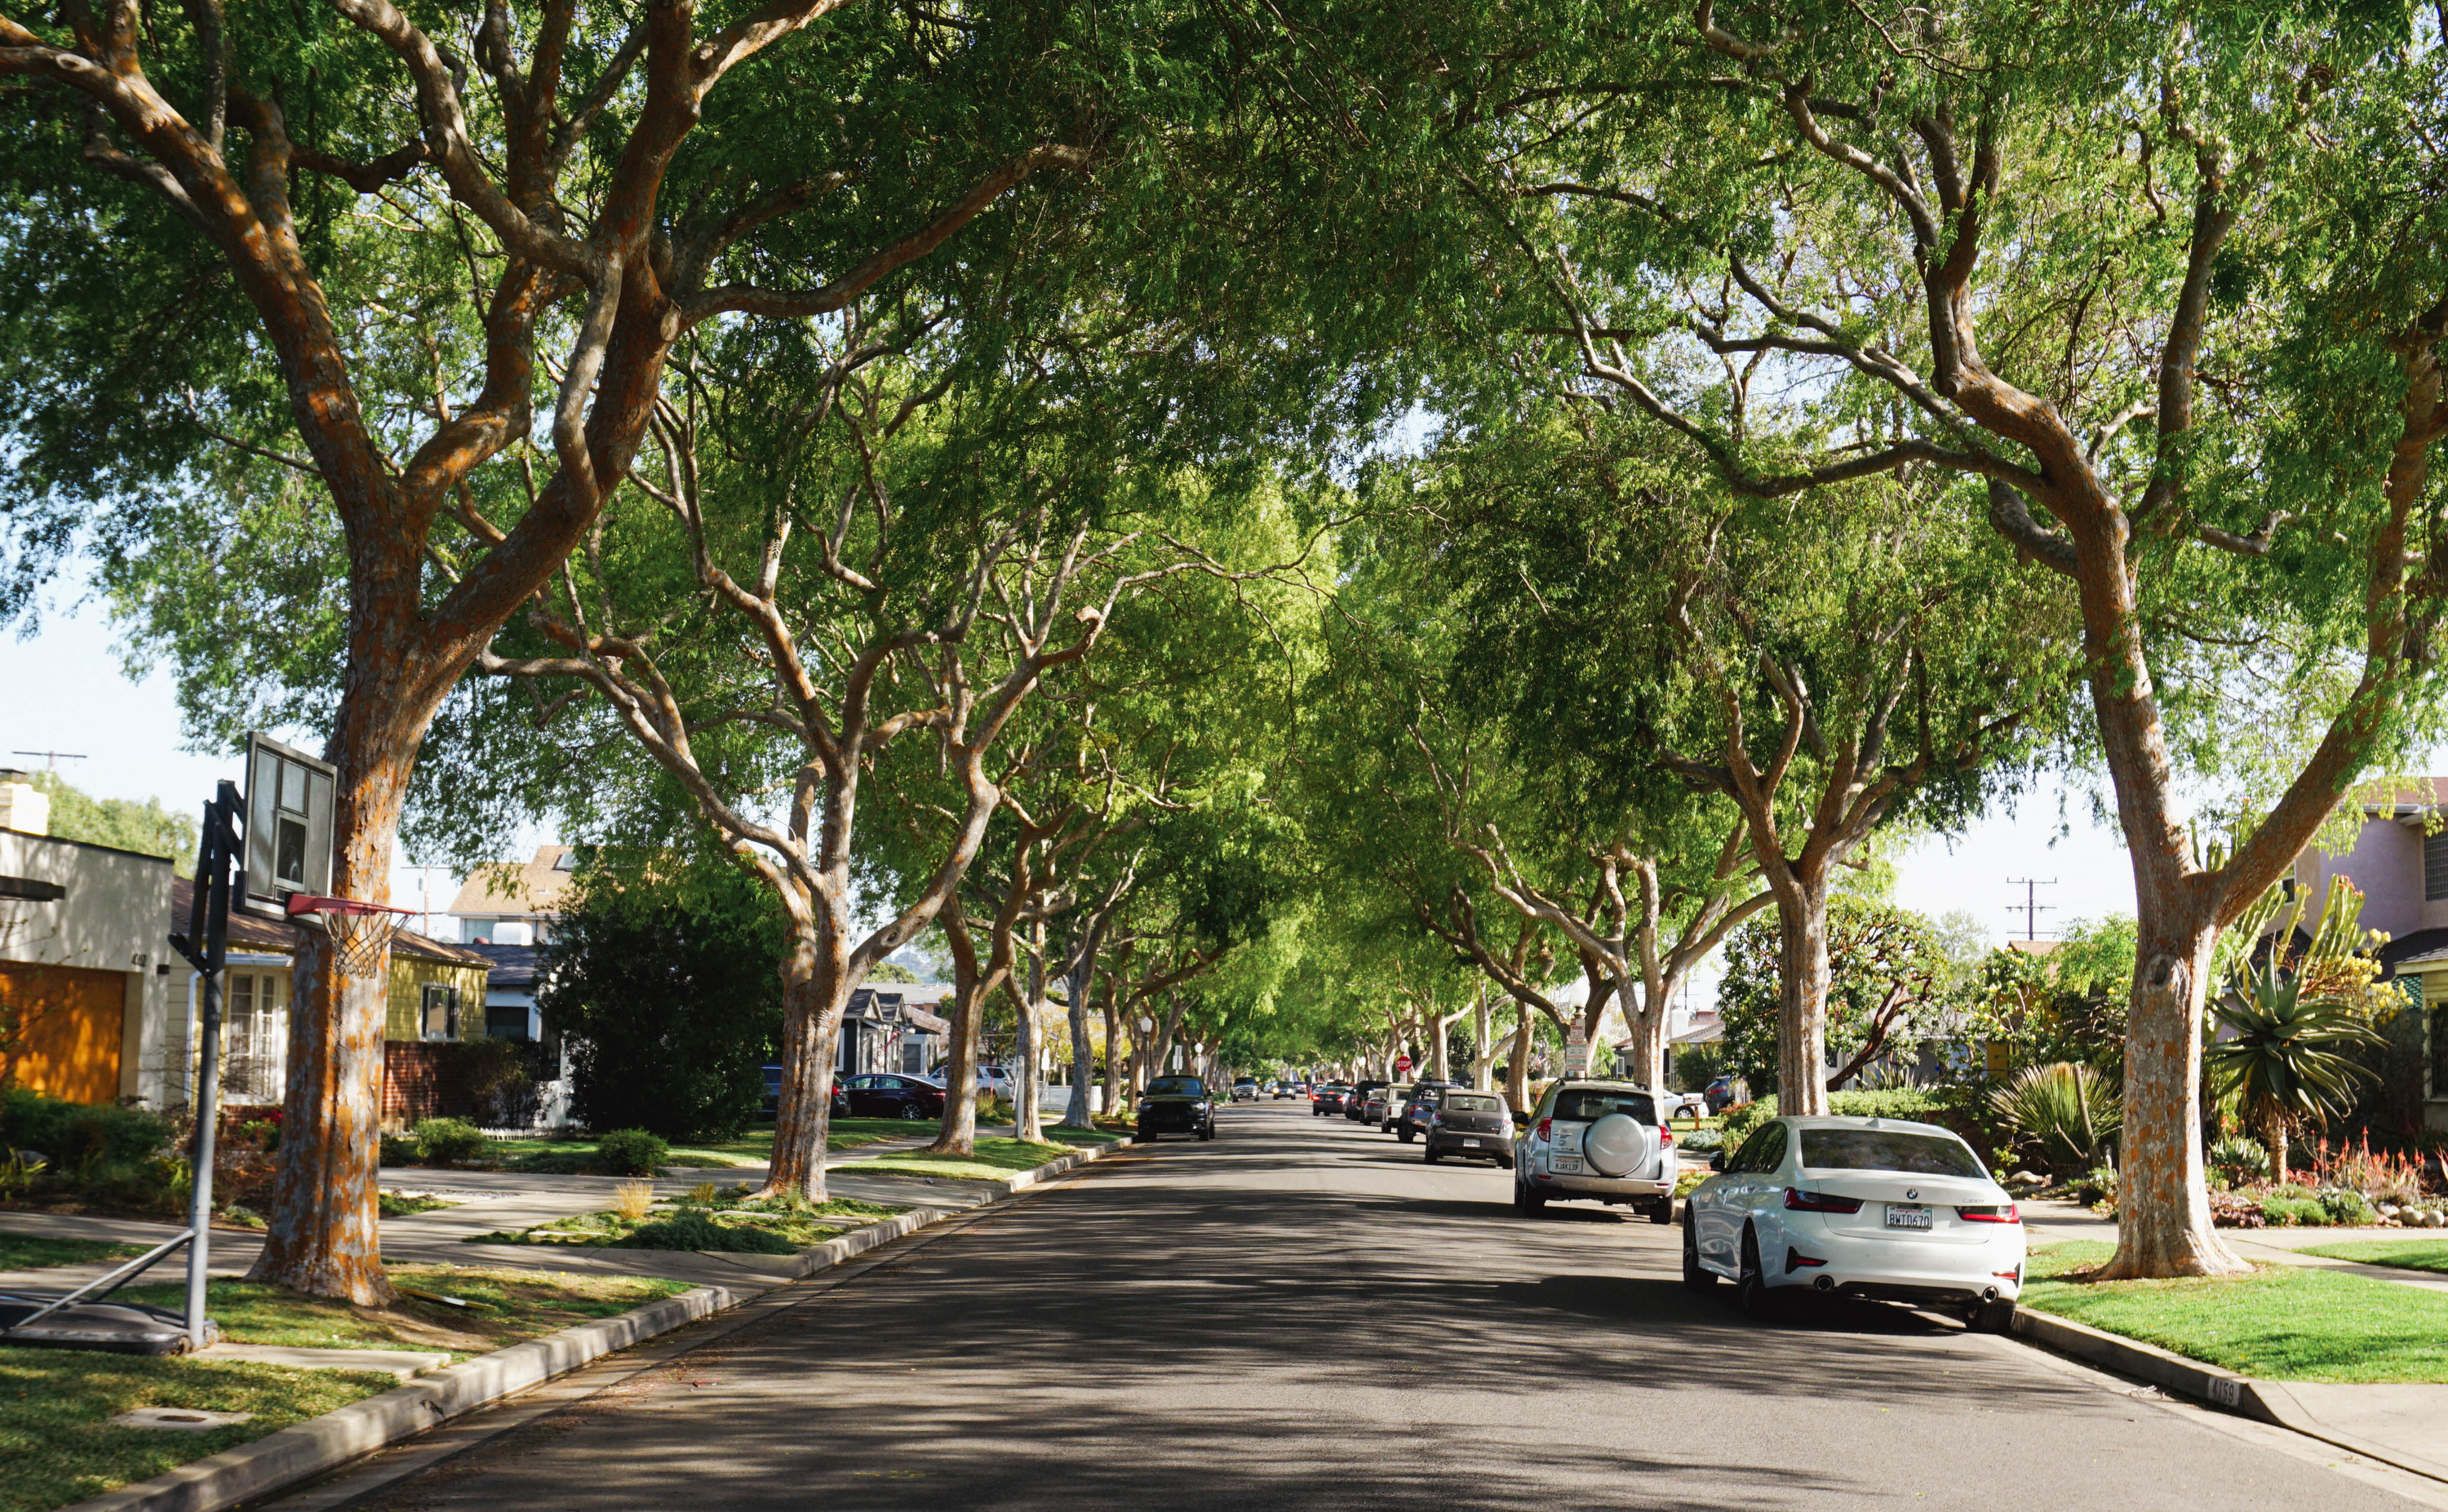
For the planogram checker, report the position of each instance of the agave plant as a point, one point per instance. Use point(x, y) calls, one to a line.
point(2067, 1110)
point(2282, 1053)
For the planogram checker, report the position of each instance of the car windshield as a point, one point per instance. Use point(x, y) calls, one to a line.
point(1589, 1105)
point(1467, 1103)
point(1176, 1086)
point(1887, 1150)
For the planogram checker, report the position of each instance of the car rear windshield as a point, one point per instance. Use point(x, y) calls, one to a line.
point(1589, 1105)
point(1887, 1150)
point(1466, 1103)
point(1177, 1087)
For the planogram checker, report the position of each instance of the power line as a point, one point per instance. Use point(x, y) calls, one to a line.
point(2030, 907)
point(51, 760)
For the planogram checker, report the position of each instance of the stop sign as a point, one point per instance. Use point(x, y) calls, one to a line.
point(1402, 1064)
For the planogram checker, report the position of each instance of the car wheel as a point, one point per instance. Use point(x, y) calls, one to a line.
point(1504, 1162)
point(1751, 1288)
point(1528, 1199)
point(1991, 1317)
point(1429, 1155)
point(1663, 1212)
point(1696, 1277)
point(1408, 1135)
point(1207, 1133)
point(910, 1110)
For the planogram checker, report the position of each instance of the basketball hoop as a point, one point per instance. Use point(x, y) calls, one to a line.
point(360, 931)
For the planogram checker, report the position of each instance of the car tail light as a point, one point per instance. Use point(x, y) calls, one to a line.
point(1544, 1124)
point(2007, 1214)
point(1665, 1137)
point(1797, 1201)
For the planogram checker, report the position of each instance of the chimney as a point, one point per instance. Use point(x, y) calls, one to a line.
point(23, 807)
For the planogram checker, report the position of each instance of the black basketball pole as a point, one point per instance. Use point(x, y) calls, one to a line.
point(206, 947)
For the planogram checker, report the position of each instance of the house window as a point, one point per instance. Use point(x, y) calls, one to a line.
point(439, 1017)
point(2435, 868)
point(254, 1036)
point(506, 1021)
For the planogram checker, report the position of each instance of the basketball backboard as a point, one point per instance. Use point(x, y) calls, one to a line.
point(288, 825)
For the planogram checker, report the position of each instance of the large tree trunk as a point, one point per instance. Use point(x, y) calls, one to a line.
point(1026, 1124)
point(1113, 1046)
point(1483, 1041)
point(1517, 1076)
point(2163, 1209)
point(1802, 996)
point(322, 1238)
point(813, 1000)
point(959, 1134)
point(1083, 1055)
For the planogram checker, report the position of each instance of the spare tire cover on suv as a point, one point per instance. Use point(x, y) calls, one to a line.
point(1616, 1144)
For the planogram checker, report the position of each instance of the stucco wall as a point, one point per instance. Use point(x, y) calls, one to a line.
point(111, 918)
point(2386, 863)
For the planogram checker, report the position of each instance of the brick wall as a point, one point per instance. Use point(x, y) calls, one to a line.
point(421, 1081)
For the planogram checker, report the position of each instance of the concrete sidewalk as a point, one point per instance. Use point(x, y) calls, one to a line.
point(2405, 1426)
point(491, 1202)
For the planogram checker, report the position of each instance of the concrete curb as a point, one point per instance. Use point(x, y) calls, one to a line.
point(2263, 1400)
point(319, 1445)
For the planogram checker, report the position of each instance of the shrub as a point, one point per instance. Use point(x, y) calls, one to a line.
point(2240, 1159)
point(631, 1152)
point(1706, 1141)
point(631, 1199)
point(2066, 1111)
point(2280, 1211)
point(79, 1138)
point(669, 989)
point(2098, 1184)
point(439, 1141)
point(2348, 1207)
point(690, 1230)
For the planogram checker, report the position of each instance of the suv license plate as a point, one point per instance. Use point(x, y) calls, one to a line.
point(1901, 1216)
point(1566, 1164)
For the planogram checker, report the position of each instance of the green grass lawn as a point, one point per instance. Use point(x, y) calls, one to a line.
point(796, 1225)
point(55, 1405)
point(2282, 1323)
point(577, 1156)
point(2410, 1254)
point(995, 1157)
point(31, 1252)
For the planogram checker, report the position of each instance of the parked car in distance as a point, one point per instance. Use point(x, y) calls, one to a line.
point(1418, 1109)
point(1857, 1207)
point(1596, 1141)
point(1175, 1104)
point(1724, 1092)
point(889, 1095)
point(771, 1103)
point(1381, 1106)
point(1474, 1124)
point(1684, 1104)
point(1245, 1089)
point(1355, 1106)
point(1330, 1097)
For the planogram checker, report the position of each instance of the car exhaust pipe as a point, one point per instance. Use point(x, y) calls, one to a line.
point(1989, 1294)
point(1824, 1283)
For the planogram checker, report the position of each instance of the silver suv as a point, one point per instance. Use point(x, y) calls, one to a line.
point(1596, 1141)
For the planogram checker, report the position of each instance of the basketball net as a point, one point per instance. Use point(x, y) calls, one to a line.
point(360, 931)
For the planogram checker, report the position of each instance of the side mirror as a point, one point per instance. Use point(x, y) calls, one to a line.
point(1718, 1161)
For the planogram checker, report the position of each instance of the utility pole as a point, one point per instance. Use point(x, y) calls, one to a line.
point(2030, 907)
point(51, 760)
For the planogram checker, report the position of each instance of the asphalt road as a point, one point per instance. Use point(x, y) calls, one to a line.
point(1303, 1314)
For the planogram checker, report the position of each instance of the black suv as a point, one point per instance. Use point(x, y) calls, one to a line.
point(1471, 1123)
point(1355, 1104)
point(1175, 1104)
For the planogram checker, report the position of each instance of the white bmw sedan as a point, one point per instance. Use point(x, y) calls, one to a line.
point(1863, 1207)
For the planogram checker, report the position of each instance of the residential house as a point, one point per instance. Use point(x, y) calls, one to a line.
point(510, 903)
point(895, 1029)
point(83, 961)
point(436, 994)
point(2400, 860)
point(511, 1013)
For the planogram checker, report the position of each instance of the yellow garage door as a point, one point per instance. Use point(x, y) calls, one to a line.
point(68, 1021)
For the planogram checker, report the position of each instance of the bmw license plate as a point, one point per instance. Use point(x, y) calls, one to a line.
point(1907, 1216)
point(1566, 1164)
